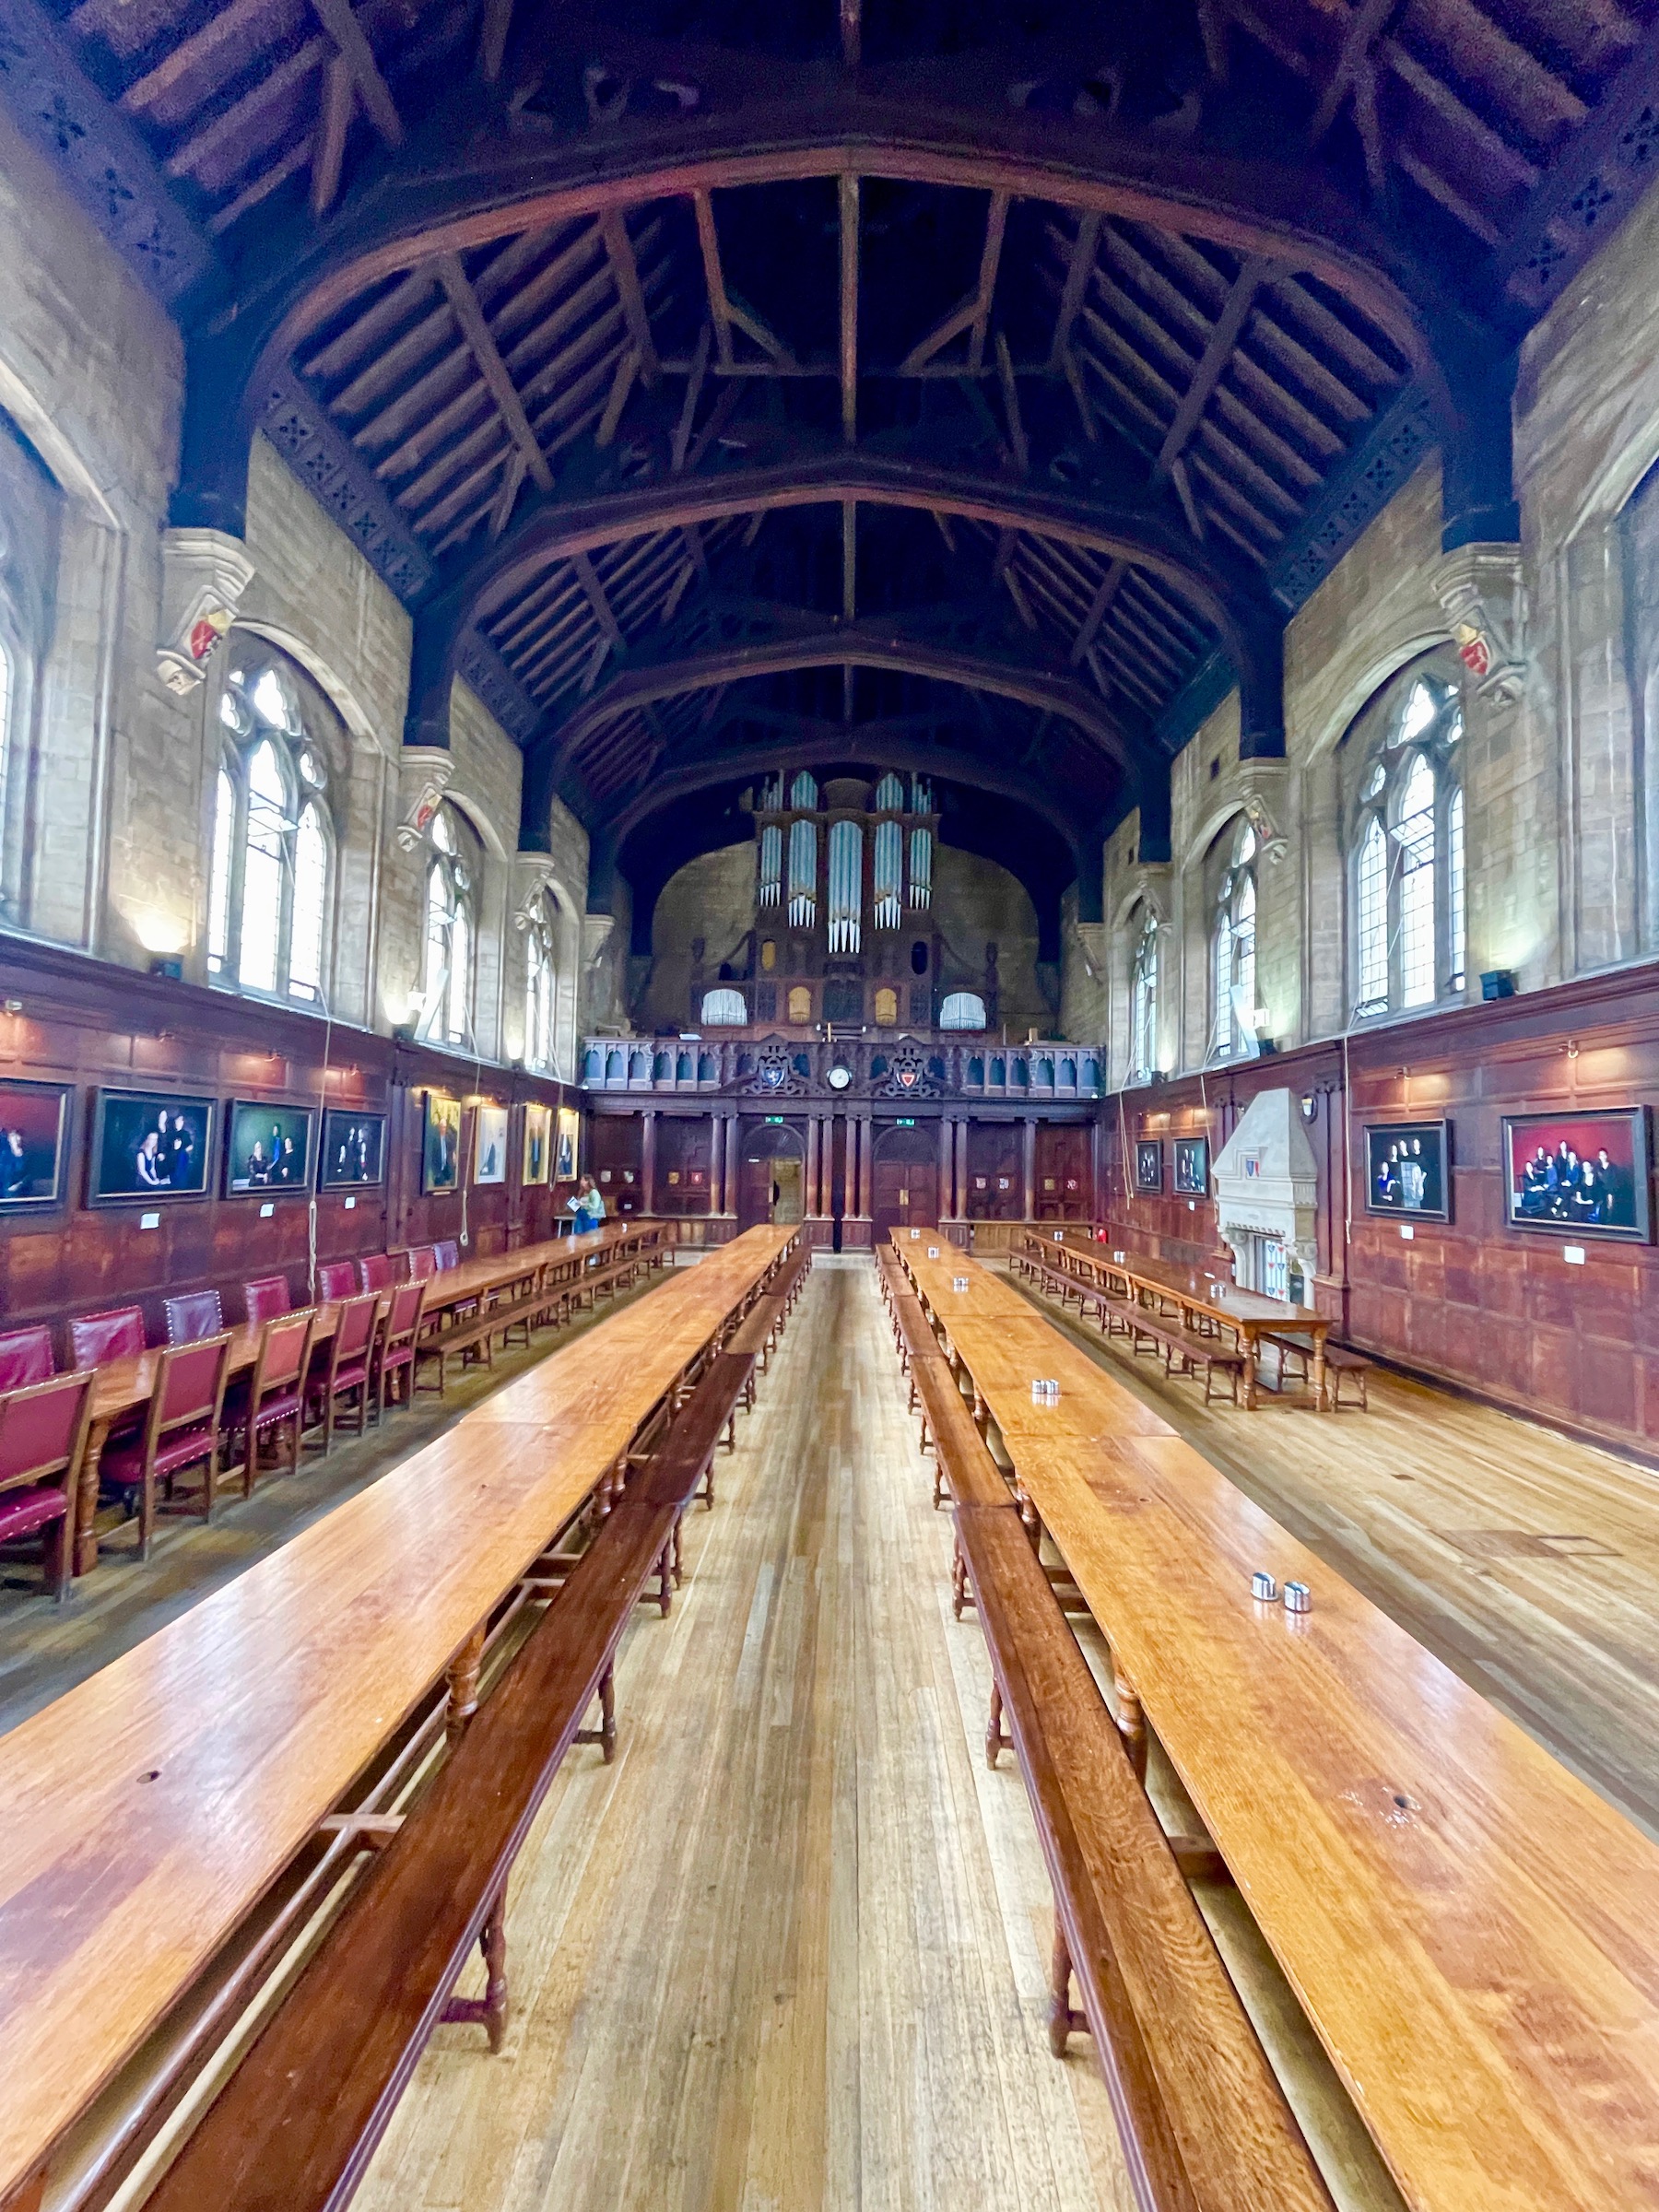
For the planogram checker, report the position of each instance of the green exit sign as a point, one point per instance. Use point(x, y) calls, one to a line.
point(909, 1123)
point(774, 1121)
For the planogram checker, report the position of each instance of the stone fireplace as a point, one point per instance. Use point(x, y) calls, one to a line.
point(1267, 1198)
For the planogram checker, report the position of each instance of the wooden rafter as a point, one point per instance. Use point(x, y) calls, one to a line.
point(1366, 25)
point(1111, 584)
point(1218, 352)
point(328, 146)
point(352, 44)
point(852, 32)
point(1079, 267)
point(687, 415)
point(622, 383)
point(493, 38)
point(1010, 392)
point(477, 332)
point(973, 313)
point(848, 203)
point(593, 591)
point(618, 248)
point(725, 312)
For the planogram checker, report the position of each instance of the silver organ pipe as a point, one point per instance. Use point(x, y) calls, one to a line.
point(846, 886)
point(772, 865)
point(803, 872)
point(889, 873)
point(921, 869)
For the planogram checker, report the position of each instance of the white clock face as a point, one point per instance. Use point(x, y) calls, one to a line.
point(839, 1077)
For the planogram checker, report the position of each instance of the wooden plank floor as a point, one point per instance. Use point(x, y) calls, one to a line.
point(790, 1952)
point(1527, 1562)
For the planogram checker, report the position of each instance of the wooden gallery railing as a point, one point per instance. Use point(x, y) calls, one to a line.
point(270, 2079)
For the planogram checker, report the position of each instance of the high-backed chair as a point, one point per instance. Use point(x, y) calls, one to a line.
point(192, 1315)
point(350, 1372)
point(97, 1338)
point(42, 1441)
point(336, 1279)
point(26, 1356)
point(276, 1393)
point(423, 1262)
point(181, 1430)
point(267, 1296)
point(394, 1363)
point(376, 1272)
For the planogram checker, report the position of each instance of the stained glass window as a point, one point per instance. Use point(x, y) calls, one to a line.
point(1407, 851)
point(269, 888)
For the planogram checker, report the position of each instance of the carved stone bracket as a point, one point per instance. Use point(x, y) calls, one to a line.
point(1262, 801)
point(1483, 591)
point(426, 770)
point(532, 876)
point(204, 575)
point(1151, 883)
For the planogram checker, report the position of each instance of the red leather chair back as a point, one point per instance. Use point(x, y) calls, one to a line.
point(376, 1271)
point(43, 1429)
point(96, 1338)
point(26, 1356)
point(404, 1317)
point(192, 1315)
point(336, 1279)
point(354, 1325)
point(285, 1350)
point(268, 1296)
point(423, 1262)
point(447, 1253)
point(190, 1381)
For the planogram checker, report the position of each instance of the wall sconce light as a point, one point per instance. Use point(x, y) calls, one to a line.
point(169, 965)
point(1498, 983)
point(1308, 1104)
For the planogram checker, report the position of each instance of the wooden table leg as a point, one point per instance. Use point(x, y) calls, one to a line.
point(86, 1499)
point(463, 1670)
point(1319, 1372)
point(1247, 1344)
point(1131, 1720)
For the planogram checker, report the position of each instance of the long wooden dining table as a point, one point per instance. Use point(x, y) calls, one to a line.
point(146, 1811)
point(1472, 1932)
point(1203, 1299)
point(124, 1387)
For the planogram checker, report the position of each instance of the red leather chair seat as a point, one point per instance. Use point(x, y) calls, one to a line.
point(22, 1511)
point(282, 1407)
point(125, 1465)
point(350, 1372)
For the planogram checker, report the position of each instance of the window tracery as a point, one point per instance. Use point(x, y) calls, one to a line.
point(1406, 864)
point(446, 976)
point(1233, 951)
point(270, 879)
point(1143, 1000)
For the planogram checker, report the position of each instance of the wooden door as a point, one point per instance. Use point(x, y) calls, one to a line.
point(996, 1172)
point(905, 1182)
point(1065, 1186)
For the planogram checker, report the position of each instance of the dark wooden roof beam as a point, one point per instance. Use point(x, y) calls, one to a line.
point(973, 314)
point(237, 125)
point(1079, 266)
point(513, 482)
point(1280, 472)
point(1109, 585)
point(622, 383)
point(339, 97)
point(339, 21)
point(1213, 363)
point(624, 269)
point(595, 592)
point(848, 209)
point(493, 38)
point(262, 187)
point(852, 32)
point(688, 406)
point(1010, 392)
point(477, 332)
point(726, 312)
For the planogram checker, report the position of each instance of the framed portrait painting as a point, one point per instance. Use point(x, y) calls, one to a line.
point(1578, 1174)
point(150, 1145)
point(440, 1146)
point(34, 1138)
point(1407, 1170)
point(354, 1151)
point(1148, 1164)
point(268, 1150)
point(489, 1145)
point(569, 1138)
point(538, 1139)
point(1191, 1166)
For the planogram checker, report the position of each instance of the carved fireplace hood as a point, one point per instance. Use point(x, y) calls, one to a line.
point(1268, 1180)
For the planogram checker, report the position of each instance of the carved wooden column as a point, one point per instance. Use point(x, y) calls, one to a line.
point(648, 1160)
point(961, 1166)
point(716, 1166)
point(866, 1146)
point(730, 1164)
point(946, 1167)
point(1028, 1167)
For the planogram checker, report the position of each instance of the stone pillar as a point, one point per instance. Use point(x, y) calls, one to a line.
point(1028, 1167)
point(648, 1160)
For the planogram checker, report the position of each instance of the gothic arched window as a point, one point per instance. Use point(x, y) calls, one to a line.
point(1233, 950)
point(270, 882)
point(1143, 1000)
point(1406, 873)
point(446, 972)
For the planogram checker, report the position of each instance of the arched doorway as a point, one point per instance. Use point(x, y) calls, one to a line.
point(771, 1180)
point(906, 1179)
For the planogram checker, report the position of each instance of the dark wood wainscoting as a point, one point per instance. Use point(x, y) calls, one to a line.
point(90, 1025)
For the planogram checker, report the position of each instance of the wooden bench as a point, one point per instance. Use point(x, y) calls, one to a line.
point(297, 2123)
point(1203, 2123)
point(1339, 1361)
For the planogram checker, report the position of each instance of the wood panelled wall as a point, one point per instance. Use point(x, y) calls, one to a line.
point(1494, 1308)
point(89, 1024)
